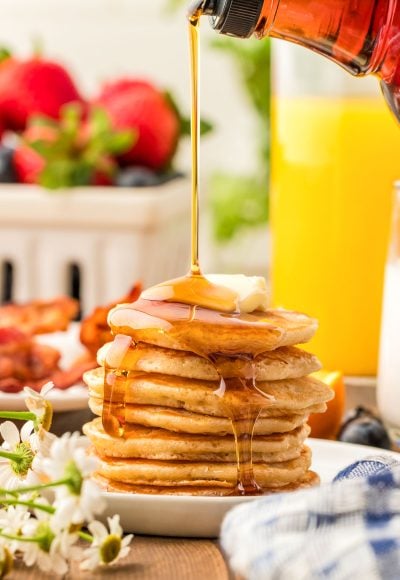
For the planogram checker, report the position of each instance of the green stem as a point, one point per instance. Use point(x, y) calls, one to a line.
point(12, 456)
point(36, 506)
point(21, 415)
point(20, 538)
point(35, 487)
point(86, 537)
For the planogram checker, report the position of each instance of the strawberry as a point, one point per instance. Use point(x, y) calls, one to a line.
point(31, 87)
point(116, 88)
point(28, 164)
point(138, 106)
point(73, 151)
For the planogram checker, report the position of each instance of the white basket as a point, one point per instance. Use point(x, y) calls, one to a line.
point(113, 236)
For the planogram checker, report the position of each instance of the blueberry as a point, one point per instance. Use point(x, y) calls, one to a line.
point(138, 177)
point(7, 173)
point(143, 177)
point(362, 427)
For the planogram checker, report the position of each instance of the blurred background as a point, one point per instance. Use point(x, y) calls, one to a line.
point(101, 40)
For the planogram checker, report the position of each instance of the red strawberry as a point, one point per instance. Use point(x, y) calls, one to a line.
point(76, 150)
point(116, 88)
point(147, 111)
point(35, 86)
point(28, 164)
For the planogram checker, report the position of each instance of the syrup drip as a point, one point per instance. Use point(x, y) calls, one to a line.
point(194, 21)
point(221, 305)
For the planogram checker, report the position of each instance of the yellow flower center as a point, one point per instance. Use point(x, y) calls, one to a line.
point(110, 549)
point(26, 455)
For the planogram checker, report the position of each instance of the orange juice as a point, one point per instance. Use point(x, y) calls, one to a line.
point(334, 161)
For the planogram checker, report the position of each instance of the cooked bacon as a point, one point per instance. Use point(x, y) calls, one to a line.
point(71, 376)
point(24, 362)
point(95, 331)
point(61, 379)
point(39, 316)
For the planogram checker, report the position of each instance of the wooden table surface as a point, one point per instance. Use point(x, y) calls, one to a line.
point(154, 559)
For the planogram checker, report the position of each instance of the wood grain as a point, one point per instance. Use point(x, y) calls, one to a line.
point(153, 559)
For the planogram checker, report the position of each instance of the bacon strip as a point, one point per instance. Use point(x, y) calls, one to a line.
point(39, 316)
point(95, 331)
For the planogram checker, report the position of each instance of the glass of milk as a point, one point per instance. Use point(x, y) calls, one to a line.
point(389, 362)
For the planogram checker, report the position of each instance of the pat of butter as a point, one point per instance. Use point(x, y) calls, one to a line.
point(252, 292)
point(117, 351)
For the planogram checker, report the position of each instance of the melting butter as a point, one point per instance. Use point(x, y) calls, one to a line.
point(251, 291)
point(224, 293)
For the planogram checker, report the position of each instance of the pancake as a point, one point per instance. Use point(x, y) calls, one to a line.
point(287, 362)
point(210, 331)
point(188, 422)
point(287, 396)
point(159, 444)
point(200, 474)
point(309, 479)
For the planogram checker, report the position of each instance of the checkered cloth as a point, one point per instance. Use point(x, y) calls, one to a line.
point(346, 530)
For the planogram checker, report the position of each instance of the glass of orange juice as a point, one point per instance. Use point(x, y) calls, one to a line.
point(335, 153)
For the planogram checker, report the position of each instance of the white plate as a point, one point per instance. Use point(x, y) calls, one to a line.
point(201, 517)
point(73, 399)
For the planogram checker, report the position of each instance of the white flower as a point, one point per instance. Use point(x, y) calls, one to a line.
point(74, 509)
point(12, 520)
point(107, 547)
point(79, 500)
point(53, 548)
point(40, 406)
point(41, 442)
point(14, 473)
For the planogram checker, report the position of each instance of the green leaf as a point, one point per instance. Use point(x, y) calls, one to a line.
point(119, 143)
point(42, 121)
point(5, 53)
point(64, 173)
point(71, 118)
point(99, 121)
point(205, 125)
point(237, 201)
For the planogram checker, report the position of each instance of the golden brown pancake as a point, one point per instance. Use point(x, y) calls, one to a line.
point(209, 331)
point(159, 444)
point(287, 362)
point(188, 422)
point(288, 396)
point(309, 479)
point(200, 474)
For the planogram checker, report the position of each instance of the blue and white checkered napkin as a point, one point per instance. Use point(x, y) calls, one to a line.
point(347, 530)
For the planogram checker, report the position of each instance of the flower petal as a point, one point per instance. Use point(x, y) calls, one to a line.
point(26, 431)
point(30, 393)
point(46, 389)
point(98, 530)
point(10, 433)
point(113, 524)
point(127, 540)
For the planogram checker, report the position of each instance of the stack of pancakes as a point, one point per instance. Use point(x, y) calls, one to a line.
point(178, 435)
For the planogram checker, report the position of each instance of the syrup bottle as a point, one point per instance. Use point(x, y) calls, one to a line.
point(363, 36)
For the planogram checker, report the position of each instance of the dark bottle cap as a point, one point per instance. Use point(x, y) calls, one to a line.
point(234, 17)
